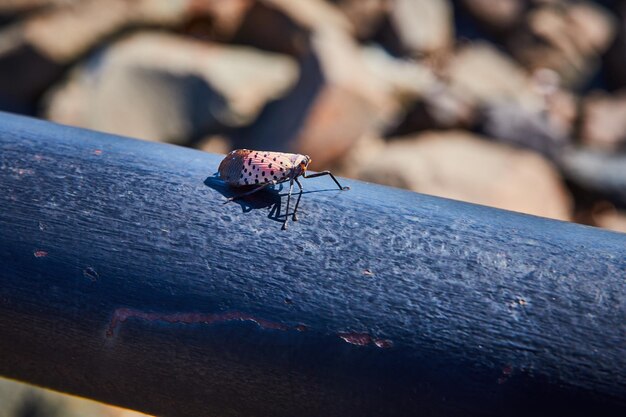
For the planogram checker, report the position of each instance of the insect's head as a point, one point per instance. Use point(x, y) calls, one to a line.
point(304, 163)
point(300, 164)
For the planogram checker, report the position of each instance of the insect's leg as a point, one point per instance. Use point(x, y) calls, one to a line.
point(288, 200)
point(250, 192)
point(319, 174)
point(295, 210)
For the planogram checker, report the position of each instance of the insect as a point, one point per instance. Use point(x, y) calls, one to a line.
point(260, 169)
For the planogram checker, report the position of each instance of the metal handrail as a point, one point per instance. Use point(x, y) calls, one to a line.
point(125, 278)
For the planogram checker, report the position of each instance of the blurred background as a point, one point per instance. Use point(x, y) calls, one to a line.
point(517, 104)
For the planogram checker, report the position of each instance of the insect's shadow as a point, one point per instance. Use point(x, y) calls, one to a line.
point(268, 198)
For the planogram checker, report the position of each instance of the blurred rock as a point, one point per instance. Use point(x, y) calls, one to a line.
point(561, 105)
point(64, 33)
point(315, 15)
point(601, 173)
point(465, 167)
point(19, 6)
point(447, 108)
point(276, 25)
point(163, 87)
point(365, 91)
point(614, 61)
point(20, 400)
point(215, 144)
point(496, 15)
point(345, 91)
point(512, 124)
point(216, 20)
point(25, 73)
point(364, 149)
point(605, 215)
point(366, 16)
point(439, 107)
point(37, 50)
point(481, 73)
point(568, 38)
point(423, 26)
point(604, 121)
point(407, 78)
point(336, 120)
point(266, 25)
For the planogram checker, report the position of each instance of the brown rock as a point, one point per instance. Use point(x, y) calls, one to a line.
point(337, 119)
point(481, 73)
point(366, 16)
point(267, 26)
point(20, 6)
point(604, 120)
point(439, 107)
point(68, 31)
point(370, 72)
point(345, 91)
point(163, 87)
point(605, 215)
point(314, 15)
point(568, 38)
point(214, 144)
point(423, 26)
point(52, 35)
point(496, 15)
point(216, 20)
point(465, 167)
point(363, 150)
point(363, 92)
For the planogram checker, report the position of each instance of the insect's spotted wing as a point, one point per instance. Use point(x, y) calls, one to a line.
point(231, 167)
point(261, 167)
point(245, 167)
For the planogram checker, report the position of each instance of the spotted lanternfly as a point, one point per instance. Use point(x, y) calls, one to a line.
point(244, 167)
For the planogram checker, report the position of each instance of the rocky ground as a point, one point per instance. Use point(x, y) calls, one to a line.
point(518, 104)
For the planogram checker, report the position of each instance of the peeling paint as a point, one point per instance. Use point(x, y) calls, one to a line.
point(40, 253)
point(302, 327)
point(122, 314)
point(507, 371)
point(364, 339)
point(383, 343)
point(359, 339)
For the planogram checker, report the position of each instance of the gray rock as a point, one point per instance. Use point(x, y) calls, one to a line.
point(465, 167)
